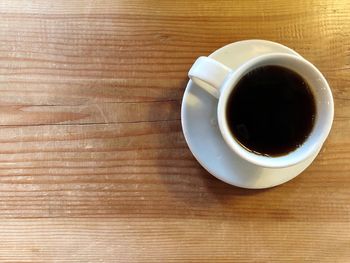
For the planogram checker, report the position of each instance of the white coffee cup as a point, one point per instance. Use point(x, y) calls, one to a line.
point(219, 80)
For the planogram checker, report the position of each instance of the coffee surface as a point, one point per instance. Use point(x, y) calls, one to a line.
point(271, 111)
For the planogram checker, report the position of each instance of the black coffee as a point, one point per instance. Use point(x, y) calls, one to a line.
point(271, 111)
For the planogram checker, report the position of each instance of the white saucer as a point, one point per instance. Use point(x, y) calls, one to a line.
point(200, 127)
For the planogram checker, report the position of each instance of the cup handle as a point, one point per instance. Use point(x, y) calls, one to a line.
point(209, 74)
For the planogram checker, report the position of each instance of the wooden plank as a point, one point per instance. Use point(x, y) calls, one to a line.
point(172, 240)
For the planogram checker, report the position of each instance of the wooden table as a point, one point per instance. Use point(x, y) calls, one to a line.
point(93, 163)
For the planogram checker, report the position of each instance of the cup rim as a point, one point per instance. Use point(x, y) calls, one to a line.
point(296, 156)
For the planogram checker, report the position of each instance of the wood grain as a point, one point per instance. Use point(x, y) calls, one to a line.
point(93, 163)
